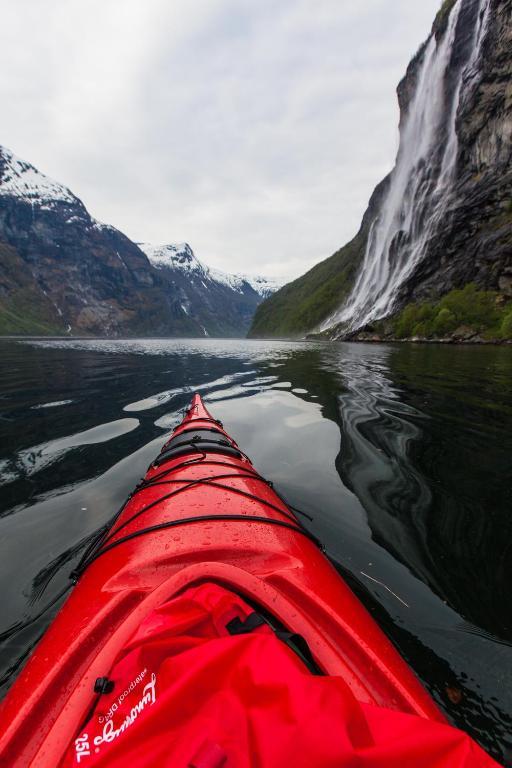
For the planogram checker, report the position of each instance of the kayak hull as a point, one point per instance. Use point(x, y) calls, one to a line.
point(202, 514)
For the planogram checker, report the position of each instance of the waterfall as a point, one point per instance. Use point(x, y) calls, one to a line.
point(421, 182)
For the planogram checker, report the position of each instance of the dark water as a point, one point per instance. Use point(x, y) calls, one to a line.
point(402, 454)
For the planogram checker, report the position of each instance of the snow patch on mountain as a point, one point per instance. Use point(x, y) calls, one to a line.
point(177, 256)
point(264, 286)
point(20, 179)
point(99, 225)
point(181, 256)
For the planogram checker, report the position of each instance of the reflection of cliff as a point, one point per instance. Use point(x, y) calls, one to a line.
point(426, 448)
point(416, 452)
point(428, 458)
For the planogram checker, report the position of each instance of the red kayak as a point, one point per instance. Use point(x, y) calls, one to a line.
point(207, 629)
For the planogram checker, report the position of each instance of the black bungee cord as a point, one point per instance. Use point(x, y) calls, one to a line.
point(103, 543)
point(200, 519)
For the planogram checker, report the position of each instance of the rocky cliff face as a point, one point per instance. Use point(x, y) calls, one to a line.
point(61, 271)
point(473, 243)
point(443, 217)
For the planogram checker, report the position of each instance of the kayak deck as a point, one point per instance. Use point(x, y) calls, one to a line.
point(202, 514)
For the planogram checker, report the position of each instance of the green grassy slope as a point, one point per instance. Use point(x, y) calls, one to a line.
point(300, 306)
point(24, 309)
point(486, 313)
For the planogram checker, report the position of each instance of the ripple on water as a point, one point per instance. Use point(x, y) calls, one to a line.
point(32, 460)
point(150, 402)
point(55, 404)
point(168, 420)
point(161, 398)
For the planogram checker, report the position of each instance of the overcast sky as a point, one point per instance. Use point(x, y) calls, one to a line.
point(255, 130)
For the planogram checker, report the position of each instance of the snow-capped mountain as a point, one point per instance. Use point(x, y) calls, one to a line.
point(61, 271)
point(181, 256)
point(217, 300)
point(23, 180)
point(263, 286)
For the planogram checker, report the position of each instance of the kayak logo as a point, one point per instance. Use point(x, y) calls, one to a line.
point(110, 732)
point(116, 704)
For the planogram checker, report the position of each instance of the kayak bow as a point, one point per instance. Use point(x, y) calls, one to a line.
point(202, 537)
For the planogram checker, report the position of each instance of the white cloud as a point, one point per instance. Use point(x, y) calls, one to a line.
point(256, 131)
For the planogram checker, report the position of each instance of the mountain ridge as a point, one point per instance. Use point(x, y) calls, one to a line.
point(64, 272)
point(182, 256)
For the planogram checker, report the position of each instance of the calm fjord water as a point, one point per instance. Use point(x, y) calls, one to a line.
point(402, 454)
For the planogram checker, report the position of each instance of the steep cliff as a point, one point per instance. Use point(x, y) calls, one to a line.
point(444, 215)
point(61, 271)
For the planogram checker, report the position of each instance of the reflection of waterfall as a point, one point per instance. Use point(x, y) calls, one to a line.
point(380, 434)
point(421, 183)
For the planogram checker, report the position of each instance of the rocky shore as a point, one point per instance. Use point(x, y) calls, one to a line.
point(462, 335)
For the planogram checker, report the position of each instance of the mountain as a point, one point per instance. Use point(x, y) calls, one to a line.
point(442, 219)
point(181, 257)
point(220, 303)
point(63, 272)
point(74, 274)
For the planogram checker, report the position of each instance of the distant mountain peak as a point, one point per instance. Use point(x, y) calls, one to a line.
point(21, 179)
point(181, 256)
point(172, 255)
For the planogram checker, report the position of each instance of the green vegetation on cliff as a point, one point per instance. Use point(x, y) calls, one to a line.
point(25, 322)
point(475, 311)
point(24, 309)
point(442, 15)
point(300, 306)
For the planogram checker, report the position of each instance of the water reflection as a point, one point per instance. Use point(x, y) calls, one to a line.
point(401, 454)
point(428, 458)
point(430, 461)
point(432, 466)
point(32, 460)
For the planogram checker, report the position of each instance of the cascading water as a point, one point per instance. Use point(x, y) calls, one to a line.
point(422, 180)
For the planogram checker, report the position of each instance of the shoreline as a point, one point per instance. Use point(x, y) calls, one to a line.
point(477, 342)
point(369, 338)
